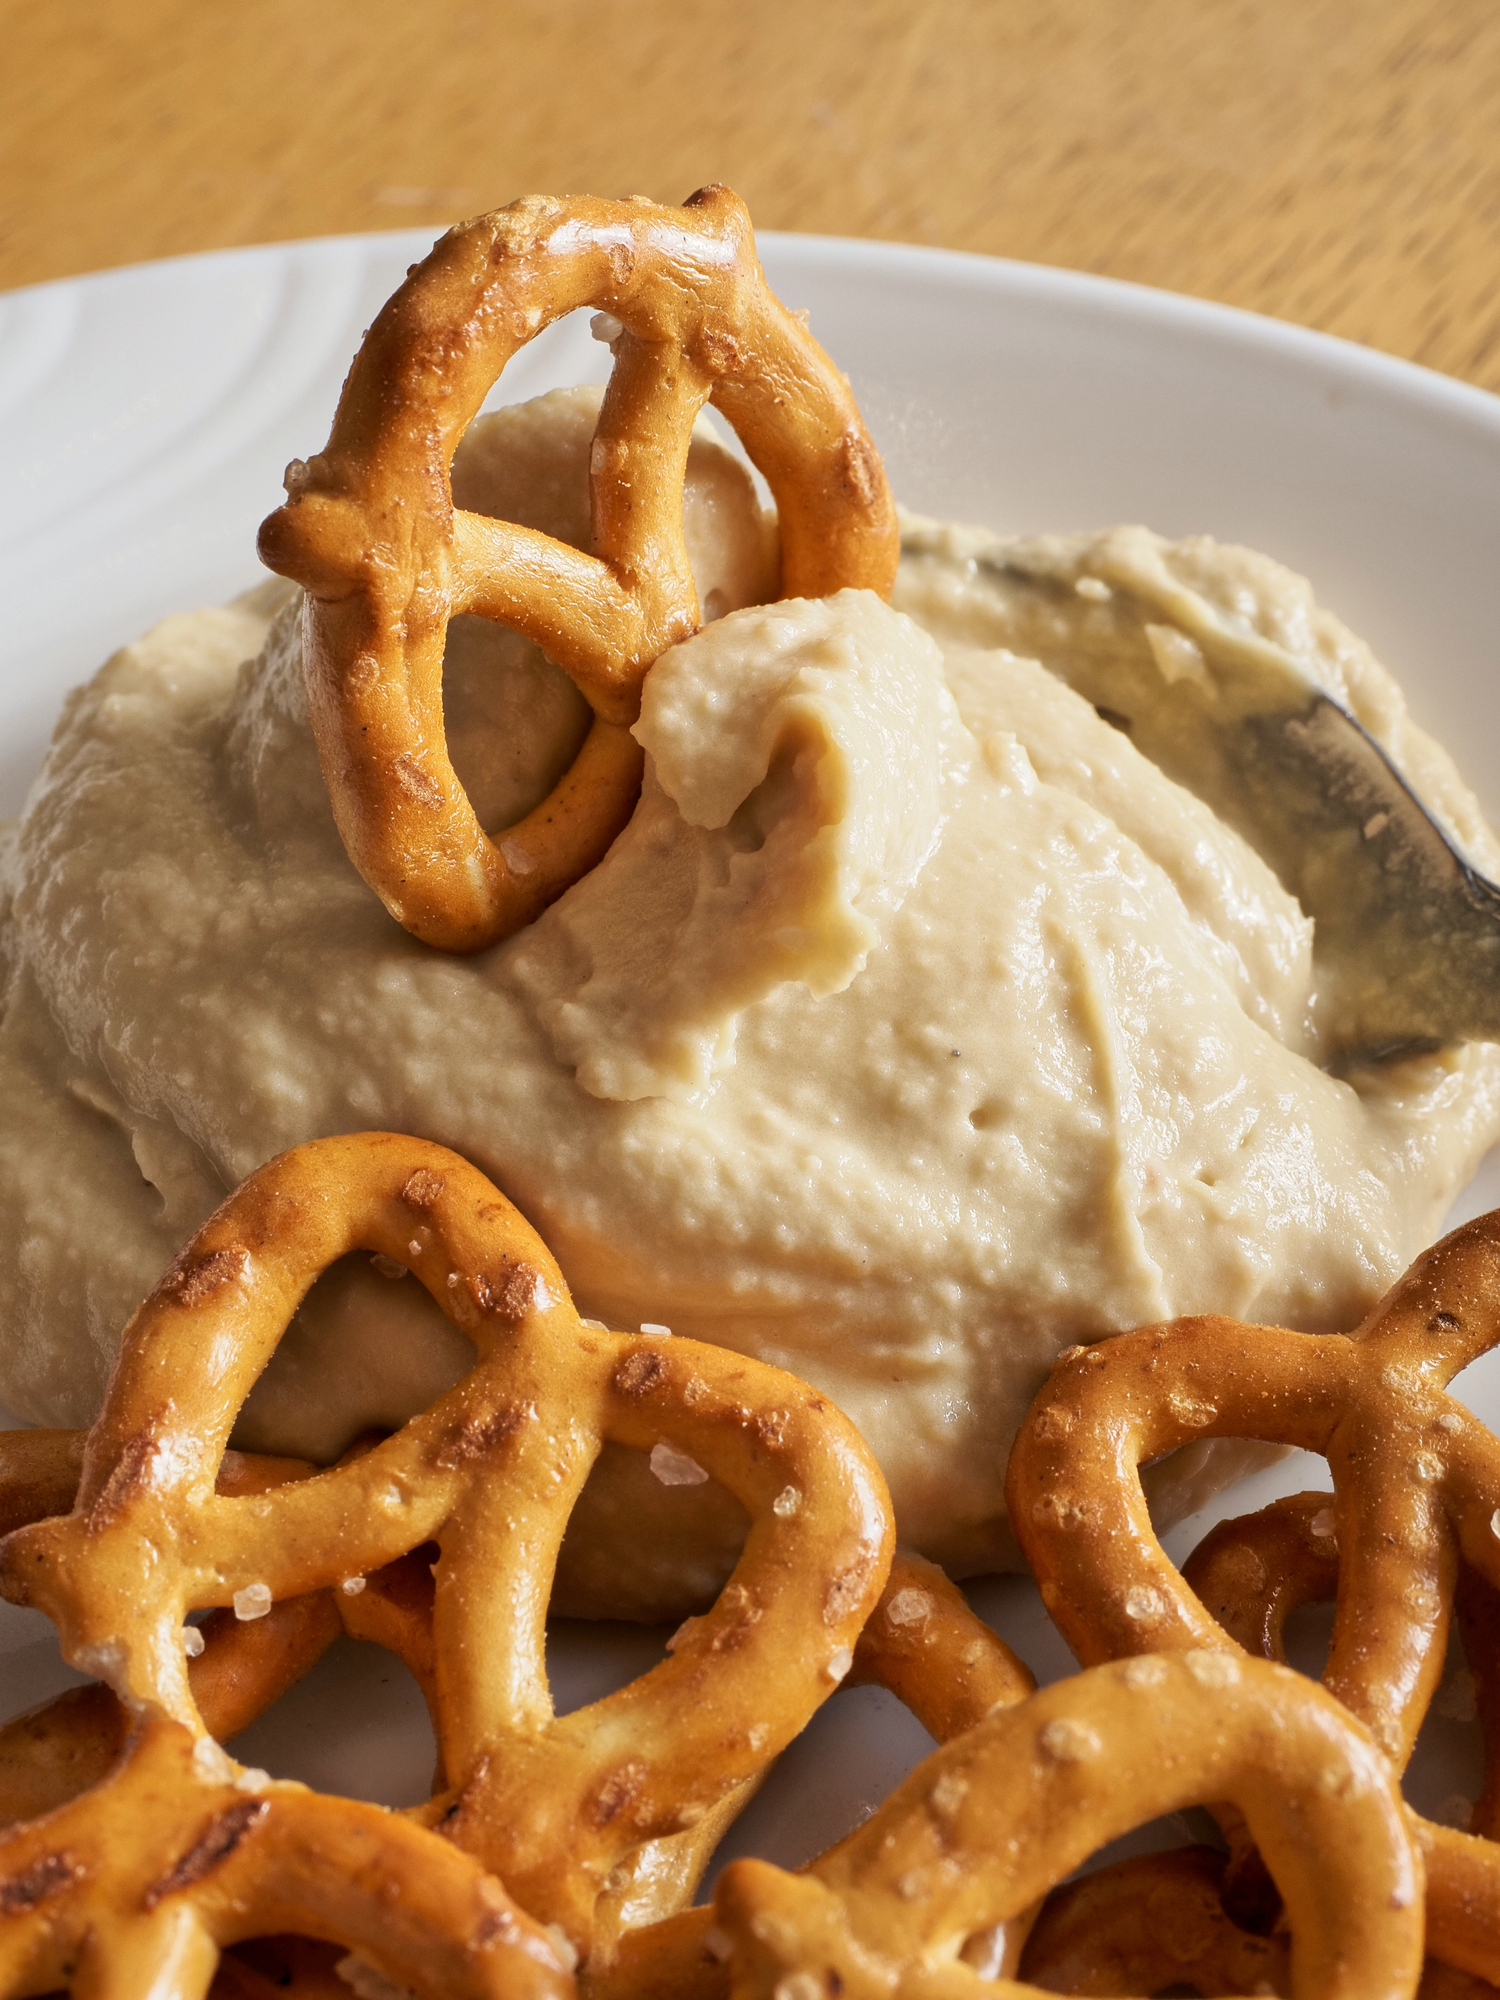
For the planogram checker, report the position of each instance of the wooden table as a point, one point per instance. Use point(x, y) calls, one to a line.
point(1332, 161)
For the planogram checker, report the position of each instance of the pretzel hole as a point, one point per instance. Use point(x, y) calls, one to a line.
point(852, 1754)
point(365, 1350)
point(381, 1747)
point(514, 721)
point(682, 1545)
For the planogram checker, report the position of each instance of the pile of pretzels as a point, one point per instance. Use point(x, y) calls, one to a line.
point(139, 1860)
point(561, 1855)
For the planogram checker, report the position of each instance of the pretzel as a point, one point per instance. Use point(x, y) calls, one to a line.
point(947, 1666)
point(1252, 1573)
point(1154, 1922)
point(1370, 1402)
point(490, 1473)
point(59, 1748)
point(369, 528)
point(992, 1820)
point(136, 1885)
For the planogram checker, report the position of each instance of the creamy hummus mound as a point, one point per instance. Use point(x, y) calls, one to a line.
point(916, 1027)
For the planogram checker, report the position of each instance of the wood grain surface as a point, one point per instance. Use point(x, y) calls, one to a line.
point(1335, 162)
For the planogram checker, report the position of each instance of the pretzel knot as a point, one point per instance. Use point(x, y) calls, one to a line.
point(370, 529)
point(989, 1822)
point(490, 1473)
point(1416, 1487)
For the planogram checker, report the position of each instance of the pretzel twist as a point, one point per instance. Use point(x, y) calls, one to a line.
point(90, 1903)
point(1370, 1402)
point(490, 1473)
point(58, 1749)
point(947, 1666)
point(370, 530)
point(988, 1823)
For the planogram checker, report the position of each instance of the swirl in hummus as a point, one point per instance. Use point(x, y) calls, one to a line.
point(916, 1027)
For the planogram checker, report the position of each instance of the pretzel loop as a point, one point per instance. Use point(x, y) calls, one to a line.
point(991, 1821)
point(1416, 1485)
point(490, 1472)
point(89, 1902)
point(370, 530)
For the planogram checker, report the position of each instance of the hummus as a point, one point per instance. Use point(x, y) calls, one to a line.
point(917, 1026)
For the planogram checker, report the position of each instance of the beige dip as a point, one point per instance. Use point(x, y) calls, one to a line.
point(916, 1027)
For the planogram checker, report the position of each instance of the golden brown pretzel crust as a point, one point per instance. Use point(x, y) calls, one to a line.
point(1416, 1487)
point(949, 1668)
point(989, 1822)
point(1147, 1924)
point(54, 1751)
point(370, 530)
point(490, 1473)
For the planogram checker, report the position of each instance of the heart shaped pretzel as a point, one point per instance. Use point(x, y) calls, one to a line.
point(1416, 1488)
point(989, 1822)
point(370, 530)
point(490, 1473)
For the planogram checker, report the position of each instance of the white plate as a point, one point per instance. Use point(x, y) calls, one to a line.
point(146, 415)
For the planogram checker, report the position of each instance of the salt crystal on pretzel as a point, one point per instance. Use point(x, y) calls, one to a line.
point(490, 1472)
point(369, 527)
point(1416, 1480)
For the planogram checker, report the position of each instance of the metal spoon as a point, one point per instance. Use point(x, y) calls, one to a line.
point(1406, 930)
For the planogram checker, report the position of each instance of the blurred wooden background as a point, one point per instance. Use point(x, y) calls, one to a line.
point(1335, 162)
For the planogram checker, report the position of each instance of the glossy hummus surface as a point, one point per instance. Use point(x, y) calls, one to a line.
point(916, 1027)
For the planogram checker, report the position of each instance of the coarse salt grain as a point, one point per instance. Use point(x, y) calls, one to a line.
point(254, 1601)
point(367, 1983)
point(681, 1633)
point(605, 327)
point(1094, 588)
point(1212, 1669)
point(786, 1503)
point(948, 1794)
point(352, 1585)
point(595, 1325)
point(1067, 1740)
point(1142, 1602)
point(516, 859)
point(675, 1468)
point(653, 1326)
point(909, 1607)
point(563, 1945)
point(210, 1763)
point(799, 1986)
point(192, 1641)
point(840, 1664)
point(1143, 1673)
point(1323, 1524)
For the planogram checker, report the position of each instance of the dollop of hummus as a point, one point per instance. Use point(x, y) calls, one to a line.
point(917, 1026)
